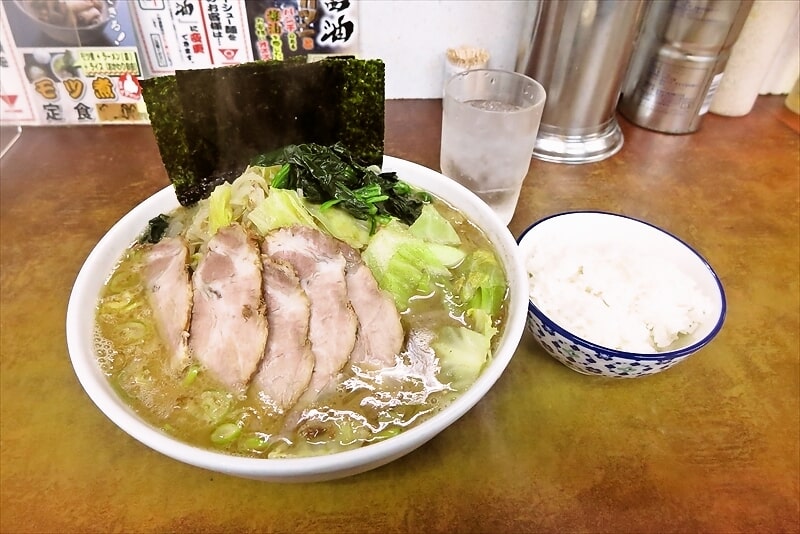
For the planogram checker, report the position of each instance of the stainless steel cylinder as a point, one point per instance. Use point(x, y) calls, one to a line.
point(579, 51)
point(679, 62)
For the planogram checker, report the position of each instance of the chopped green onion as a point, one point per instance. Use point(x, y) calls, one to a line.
point(213, 405)
point(123, 280)
point(191, 376)
point(121, 302)
point(132, 332)
point(257, 442)
point(225, 433)
point(386, 433)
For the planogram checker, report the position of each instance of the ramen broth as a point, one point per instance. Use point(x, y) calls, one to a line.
point(366, 406)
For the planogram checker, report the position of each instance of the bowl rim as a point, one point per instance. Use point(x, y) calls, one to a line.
point(314, 468)
point(615, 353)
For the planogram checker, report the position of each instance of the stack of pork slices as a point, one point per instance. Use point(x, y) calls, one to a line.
point(284, 314)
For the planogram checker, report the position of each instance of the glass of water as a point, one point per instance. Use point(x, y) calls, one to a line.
point(490, 119)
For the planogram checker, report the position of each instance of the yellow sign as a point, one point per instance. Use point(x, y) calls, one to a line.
point(108, 62)
point(75, 88)
point(103, 88)
point(46, 87)
point(119, 112)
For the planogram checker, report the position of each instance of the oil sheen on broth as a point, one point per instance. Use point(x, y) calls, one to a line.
point(365, 407)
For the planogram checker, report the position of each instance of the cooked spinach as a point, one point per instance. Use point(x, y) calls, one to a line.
point(156, 228)
point(329, 175)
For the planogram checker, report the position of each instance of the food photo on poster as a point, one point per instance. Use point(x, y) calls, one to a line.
point(54, 65)
point(39, 23)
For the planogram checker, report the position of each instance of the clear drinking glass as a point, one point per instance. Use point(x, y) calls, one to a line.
point(490, 119)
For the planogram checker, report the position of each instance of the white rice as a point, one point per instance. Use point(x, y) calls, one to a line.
point(605, 294)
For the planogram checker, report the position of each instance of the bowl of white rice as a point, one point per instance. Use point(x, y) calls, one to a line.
point(615, 296)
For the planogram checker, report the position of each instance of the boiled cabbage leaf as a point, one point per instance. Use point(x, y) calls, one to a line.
point(220, 212)
point(403, 265)
point(448, 255)
point(281, 208)
point(340, 224)
point(462, 355)
point(434, 228)
point(481, 282)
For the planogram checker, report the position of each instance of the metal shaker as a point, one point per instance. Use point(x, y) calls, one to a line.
point(679, 62)
point(579, 51)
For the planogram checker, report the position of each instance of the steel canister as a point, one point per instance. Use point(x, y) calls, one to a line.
point(679, 62)
point(579, 51)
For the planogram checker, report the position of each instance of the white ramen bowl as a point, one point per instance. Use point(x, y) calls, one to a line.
point(101, 261)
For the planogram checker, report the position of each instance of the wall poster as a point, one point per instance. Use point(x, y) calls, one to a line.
point(66, 62)
point(190, 34)
point(286, 28)
point(79, 60)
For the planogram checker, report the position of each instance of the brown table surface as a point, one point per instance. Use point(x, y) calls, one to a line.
point(710, 445)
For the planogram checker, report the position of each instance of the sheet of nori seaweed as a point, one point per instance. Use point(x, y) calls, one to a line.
point(209, 123)
point(362, 109)
point(166, 118)
point(232, 114)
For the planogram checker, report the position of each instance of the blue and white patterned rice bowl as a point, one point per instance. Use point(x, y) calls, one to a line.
point(589, 358)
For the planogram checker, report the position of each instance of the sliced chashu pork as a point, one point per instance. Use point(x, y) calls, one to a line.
point(229, 326)
point(380, 333)
point(169, 292)
point(320, 266)
point(285, 371)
